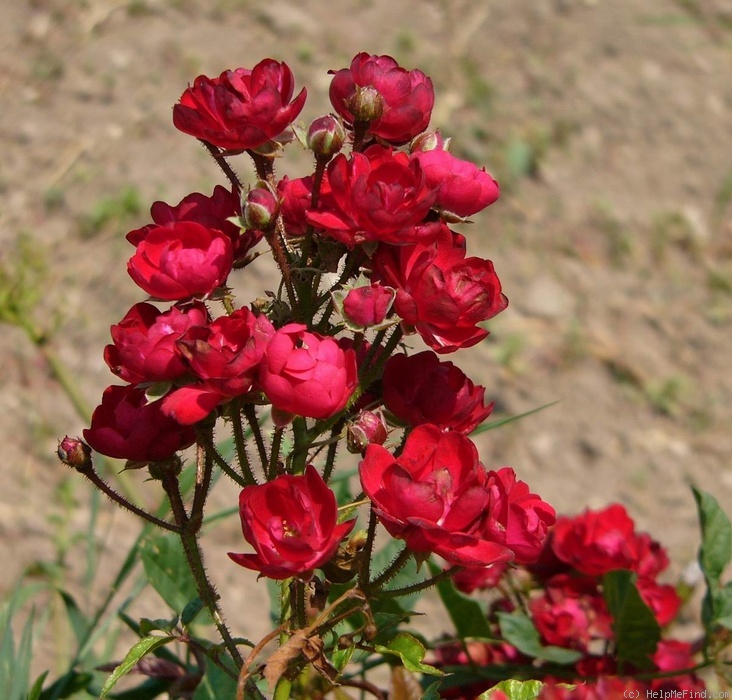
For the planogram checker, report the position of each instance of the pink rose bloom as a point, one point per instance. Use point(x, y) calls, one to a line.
point(143, 345)
point(180, 261)
point(462, 188)
point(292, 523)
point(306, 373)
point(405, 97)
point(240, 109)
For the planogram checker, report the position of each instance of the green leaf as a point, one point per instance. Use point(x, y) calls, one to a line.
point(721, 601)
point(166, 568)
point(22, 661)
point(143, 647)
point(160, 625)
point(466, 614)
point(191, 611)
point(216, 684)
point(77, 620)
point(67, 685)
point(491, 425)
point(637, 632)
point(515, 690)
point(411, 651)
point(35, 691)
point(715, 552)
point(519, 630)
point(432, 691)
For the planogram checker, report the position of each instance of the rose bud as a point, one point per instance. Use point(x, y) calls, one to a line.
point(75, 453)
point(429, 141)
point(365, 305)
point(260, 208)
point(292, 523)
point(326, 136)
point(368, 428)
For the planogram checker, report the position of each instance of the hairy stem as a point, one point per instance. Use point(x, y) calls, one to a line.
point(251, 414)
point(392, 570)
point(422, 585)
point(240, 442)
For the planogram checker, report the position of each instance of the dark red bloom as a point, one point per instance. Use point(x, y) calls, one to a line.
point(378, 195)
point(462, 188)
point(296, 197)
point(435, 496)
point(421, 389)
point(144, 342)
point(125, 426)
point(405, 97)
point(306, 373)
point(292, 523)
point(240, 109)
point(440, 292)
point(213, 212)
point(469, 580)
point(181, 260)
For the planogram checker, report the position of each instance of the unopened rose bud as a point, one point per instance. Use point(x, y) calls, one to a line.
point(429, 141)
point(366, 105)
point(326, 136)
point(368, 428)
point(75, 453)
point(260, 209)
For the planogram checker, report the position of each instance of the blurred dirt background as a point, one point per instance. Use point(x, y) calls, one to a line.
point(608, 124)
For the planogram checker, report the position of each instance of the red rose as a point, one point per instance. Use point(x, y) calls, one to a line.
point(518, 518)
point(434, 496)
point(296, 198)
point(421, 389)
point(212, 212)
point(182, 260)
point(440, 292)
point(662, 599)
point(675, 655)
point(292, 524)
point(596, 542)
point(225, 355)
point(126, 427)
point(469, 580)
point(405, 97)
point(378, 195)
point(307, 374)
point(240, 109)
point(462, 188)
point(143, 343)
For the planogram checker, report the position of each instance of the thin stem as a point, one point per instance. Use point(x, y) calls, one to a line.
point(240, 442)
point(422, 585)
point(224, 465)
point(203, 484)
point(364, 571)
point(396, 565)
point(332, 451)
point(275, 454)
point(251, 414)
point(244, 679)
point(363, 685)
point(90, 473)
point(192, 549)
point(221, 161)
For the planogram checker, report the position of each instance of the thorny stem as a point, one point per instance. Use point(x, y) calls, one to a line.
point(332, 450)
point(364, 570)
point(221, 161)
point(240, 442)
point(422, 585)
point(251, 415)
point(91, 474)
point(275, 454)
point(396, 565)
point(224, 465)
point(203, 479)
point(245, 682)
point(188, 531)
point(320, 165)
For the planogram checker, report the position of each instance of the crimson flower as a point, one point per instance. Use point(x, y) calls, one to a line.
point(181, 260)
point(296, 198)
point(462, 188)
point(125, 426)
point(378, 195)
point(440, 292)
point(292, 523)
point(306, 373)
point(143, 345)
point(421, 389)
point(434, 496)
point(405, 98)
point(240, 109)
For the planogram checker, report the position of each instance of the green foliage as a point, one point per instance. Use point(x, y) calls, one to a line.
point(636, 630)
point(411, 652)
point(515, 690)
point(715, 554)
point(167, 570)
point(215, 684)
point(519, 630)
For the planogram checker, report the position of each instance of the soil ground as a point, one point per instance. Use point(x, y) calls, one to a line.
point(607, 123)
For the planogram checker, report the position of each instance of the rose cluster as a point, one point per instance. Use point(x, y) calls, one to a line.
point(563, 596)
point(379, 214)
